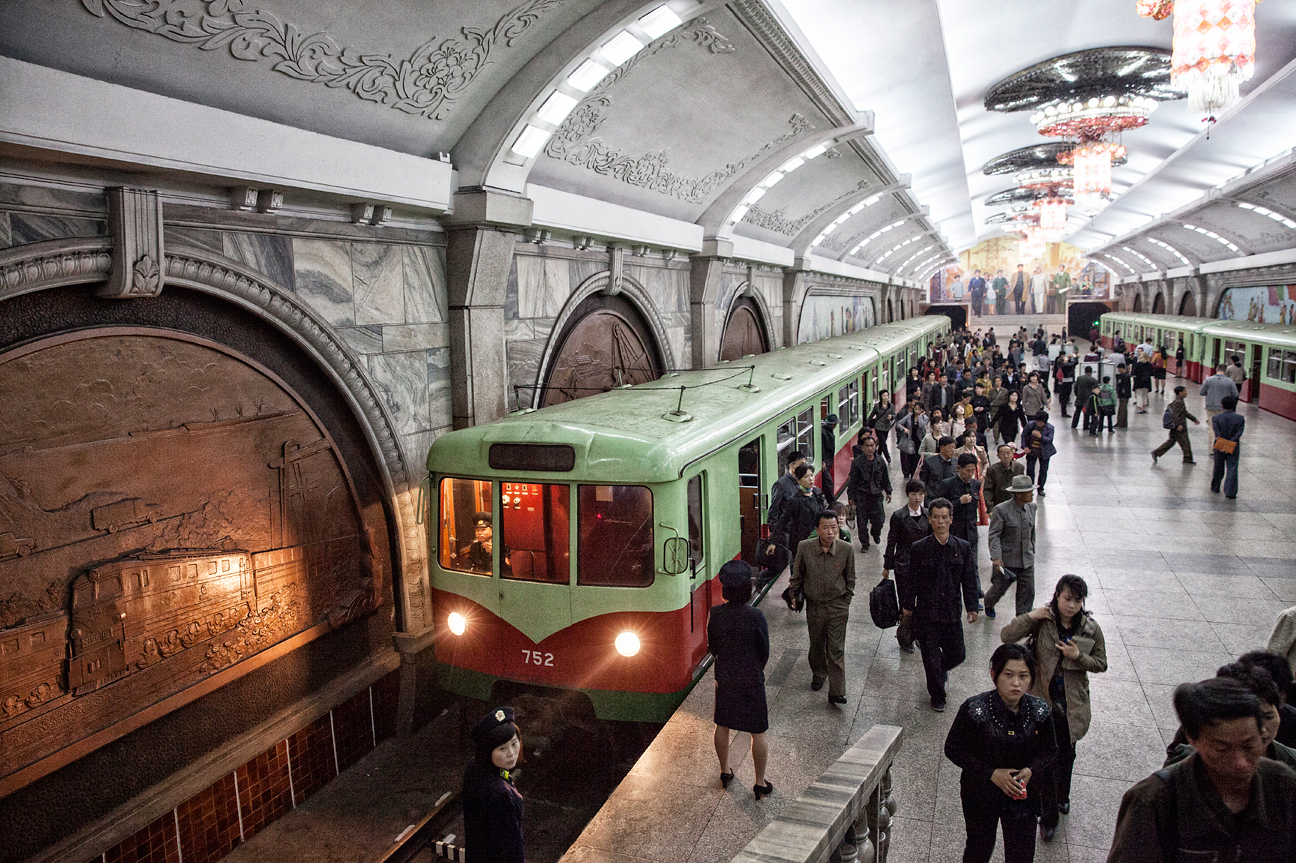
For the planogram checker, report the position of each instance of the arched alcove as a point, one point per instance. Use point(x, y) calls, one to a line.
point(1138, 302)
point(605, 343)
point(1158, 304)
point(744, 332)
point(1188, 305)
point(890, 311)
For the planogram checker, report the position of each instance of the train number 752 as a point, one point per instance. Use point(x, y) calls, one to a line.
point(535, 657)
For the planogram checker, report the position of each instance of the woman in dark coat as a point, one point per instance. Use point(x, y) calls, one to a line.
point(1002, 739)
point(492, 807)
point(1010, 419)
point(738, 638)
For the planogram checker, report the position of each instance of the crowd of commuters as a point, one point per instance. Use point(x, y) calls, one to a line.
point(975, 440)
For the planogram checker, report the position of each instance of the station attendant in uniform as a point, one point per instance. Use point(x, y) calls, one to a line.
point(738, 638)
point(478, 555)
point(492, 807)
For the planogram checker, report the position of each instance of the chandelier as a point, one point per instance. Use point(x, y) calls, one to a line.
point(1094, 117)
point(1052, 221)
point(1031, 244)
point(1092, 162)
point(1056, 179)
point(1214, 48)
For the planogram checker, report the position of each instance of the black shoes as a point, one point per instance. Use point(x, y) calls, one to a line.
point(938, 705)
point(1040, 492)
point(1047, 833)
point(836, 699)
point(765, 790)
point(725, 779)
point(816, 685)
point(1065, 807)
point(1189, 461)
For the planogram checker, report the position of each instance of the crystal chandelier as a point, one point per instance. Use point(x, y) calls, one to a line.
point(1052, 221)
point(1092, 162)
point(1214, 48)
point(1094, 117)
point(1031, 245)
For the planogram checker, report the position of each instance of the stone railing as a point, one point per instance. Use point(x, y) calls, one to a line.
point(848, 809)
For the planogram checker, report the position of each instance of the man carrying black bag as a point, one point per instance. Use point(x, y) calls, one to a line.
point(908, 524)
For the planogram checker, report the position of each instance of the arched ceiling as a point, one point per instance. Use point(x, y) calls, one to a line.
point(924, 69)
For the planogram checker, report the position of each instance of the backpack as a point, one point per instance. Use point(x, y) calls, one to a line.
point(1167, 421)
point(884, 605)
point(1107, 399)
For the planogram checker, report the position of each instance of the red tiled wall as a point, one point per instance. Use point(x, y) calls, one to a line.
point(156, 843)
point(268, 786)
point(353, 729)
point(263, 788)
point(209, 822)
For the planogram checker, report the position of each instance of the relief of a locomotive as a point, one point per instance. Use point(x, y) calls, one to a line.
point(130, 614)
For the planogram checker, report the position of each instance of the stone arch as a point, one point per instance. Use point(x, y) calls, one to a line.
point(890, 311)
point(1159, 303)
point(1138, 301)
point(1188, 304)
point(629, 292)
point(59, 263)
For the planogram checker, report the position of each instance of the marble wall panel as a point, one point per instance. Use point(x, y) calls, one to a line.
point(402, 383)
point(414, 337)
point(543, 286)
point(585, 268)
point(416, 445)
point(363, 340)
point(5, 234)
point(49, 197)
point(377, 271)
point(323, 278)
point(424, 274)
point(268, 254)
point(201, 239)
point(27, 228)
point(440, 410)
point(523, 357)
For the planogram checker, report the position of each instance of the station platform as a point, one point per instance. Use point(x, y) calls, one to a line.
point(1181, 581)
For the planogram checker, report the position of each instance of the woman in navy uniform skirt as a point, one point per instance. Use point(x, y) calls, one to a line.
point(492, 807)
point(738, 638)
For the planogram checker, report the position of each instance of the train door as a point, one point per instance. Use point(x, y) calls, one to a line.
point(749, 493)
point(828, 445)
point(534, 564)
point(1254, 395)
point(700, 584)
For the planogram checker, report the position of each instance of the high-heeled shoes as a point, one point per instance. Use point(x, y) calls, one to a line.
point(763, 790)
point(725, 779)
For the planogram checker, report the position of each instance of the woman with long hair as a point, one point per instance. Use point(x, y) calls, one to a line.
point(738, 638)
point(1069, 646)
point(881, 419)
point(1002, 740)
point(910, 431)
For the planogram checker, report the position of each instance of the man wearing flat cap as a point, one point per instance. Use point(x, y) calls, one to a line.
point(824, 569)
point(1012, 546)
point(492, 807)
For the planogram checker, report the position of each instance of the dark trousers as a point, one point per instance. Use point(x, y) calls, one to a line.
point(1021, 306)
point(942, 649)
point(1226, 470)
point(1176, 437)
point(1077, 413)
point(1043, 470)
point(1056, 786)
point(869, 513)
point(983, 819)
point(909, 463)
point(1025, 582)
point(1122, 413)
point(827, 624)
point(1064, 395)
point(882, 450)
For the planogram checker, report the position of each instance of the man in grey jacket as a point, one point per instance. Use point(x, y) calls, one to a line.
point(1215, 388)
point(1012, 546)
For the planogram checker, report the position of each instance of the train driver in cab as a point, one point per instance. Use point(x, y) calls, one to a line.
point(478, 555)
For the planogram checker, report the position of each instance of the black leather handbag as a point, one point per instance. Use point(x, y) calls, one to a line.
point(884, 605)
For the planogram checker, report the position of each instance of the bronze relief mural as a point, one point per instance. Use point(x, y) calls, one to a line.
point(168, 509)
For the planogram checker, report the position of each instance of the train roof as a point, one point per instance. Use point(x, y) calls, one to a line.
point(1174, 322)
point(1270, 334)
point(628, 435)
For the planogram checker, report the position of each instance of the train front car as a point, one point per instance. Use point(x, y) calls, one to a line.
point(575, 547)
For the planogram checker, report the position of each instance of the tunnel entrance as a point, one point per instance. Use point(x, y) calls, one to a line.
point(958, 315)
point(1081, 317)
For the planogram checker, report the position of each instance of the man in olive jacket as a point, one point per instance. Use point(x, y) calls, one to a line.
point(1179, 417)
point(997, 477)
point(824, 569)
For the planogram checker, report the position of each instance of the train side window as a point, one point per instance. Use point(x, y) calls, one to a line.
point(695, 516)
point(615, 536)
point(466, 542)
point(805, 434)
point(843, 410)
point(797, 433)
point(1274, 371)
point(533, 519)
point(1289, 367)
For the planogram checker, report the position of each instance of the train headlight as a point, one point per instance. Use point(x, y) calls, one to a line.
point(627, 644)
point(457, 623)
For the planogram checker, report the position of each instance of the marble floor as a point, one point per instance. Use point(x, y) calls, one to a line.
point(1180, 579)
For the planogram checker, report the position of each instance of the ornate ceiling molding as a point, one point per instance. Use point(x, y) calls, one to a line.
point(426, 84)
point(778, 221)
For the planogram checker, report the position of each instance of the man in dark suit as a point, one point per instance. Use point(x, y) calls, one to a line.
point(940, 568)
point(870, 482)
point(963, 491)
point(908, 524)
point(1018, 285)
point(939, 467)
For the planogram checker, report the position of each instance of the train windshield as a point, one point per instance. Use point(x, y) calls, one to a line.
point(535, 526)
point(616, 536)
point(466, 535)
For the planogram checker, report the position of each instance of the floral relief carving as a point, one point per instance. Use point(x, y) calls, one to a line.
point(778, 221)
point(427, 83)
point(576, 144)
